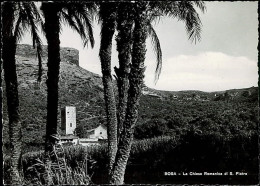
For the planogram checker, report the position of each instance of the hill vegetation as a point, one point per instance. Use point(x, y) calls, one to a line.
point(226, 113)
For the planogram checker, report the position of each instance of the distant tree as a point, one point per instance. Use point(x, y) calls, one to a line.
point(17, 17)
point(80, 131)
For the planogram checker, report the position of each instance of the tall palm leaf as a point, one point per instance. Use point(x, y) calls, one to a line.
point(16, 18)
point(78, 16)
point(181, 10)
point(29, 19)
point(156, 48)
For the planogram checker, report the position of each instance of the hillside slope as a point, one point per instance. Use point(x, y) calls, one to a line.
point(84, 90)
point(77, 87)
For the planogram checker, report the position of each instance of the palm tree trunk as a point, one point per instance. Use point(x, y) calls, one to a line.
point(134, 93)
point(124, 44)
point(107, 32)
point(9, 66)
point(15, 127)
point(52, 29)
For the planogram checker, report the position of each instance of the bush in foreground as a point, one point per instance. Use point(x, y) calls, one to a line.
point(38, 169)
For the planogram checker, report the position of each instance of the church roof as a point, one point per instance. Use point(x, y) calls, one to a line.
point(104, 126)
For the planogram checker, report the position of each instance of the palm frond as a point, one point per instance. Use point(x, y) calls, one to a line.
point(92, 10)
point(74, 21)
point(183, 11)
point(79, 18)
point(66, 19)
point(85, 12)
point(201, 5)
point(82, 25)
point(21, 23)
point(39, 18)
point(89, 29)
point(157, 50)
point(33, 20)
point(187, 13)
point(18, 30)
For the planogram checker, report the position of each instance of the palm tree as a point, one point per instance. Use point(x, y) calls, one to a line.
point(107, 15)
point(17, 17)
point(112, 14)
point(125, 25)
point(78, 17)
point(124, 47)
point(145, 12)
point(135, 86)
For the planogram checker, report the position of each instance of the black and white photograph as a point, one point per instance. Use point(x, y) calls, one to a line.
point(129, 92)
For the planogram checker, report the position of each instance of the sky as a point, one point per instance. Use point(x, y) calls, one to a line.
point(225, 58)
